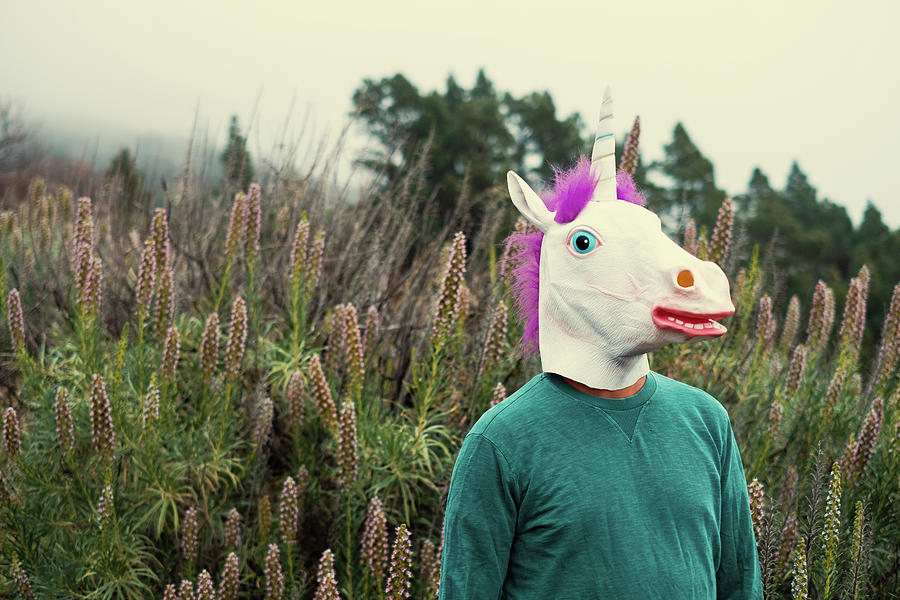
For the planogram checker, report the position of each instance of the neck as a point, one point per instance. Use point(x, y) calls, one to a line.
point(582, 362)
point(625, 392)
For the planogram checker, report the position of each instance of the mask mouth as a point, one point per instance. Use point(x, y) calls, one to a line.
point(690, 323)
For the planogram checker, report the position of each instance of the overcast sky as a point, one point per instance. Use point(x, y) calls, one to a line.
point(758, 83)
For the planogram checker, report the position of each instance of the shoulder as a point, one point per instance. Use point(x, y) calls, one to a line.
point(520, 412)
point(688, 396)
point(695, 409)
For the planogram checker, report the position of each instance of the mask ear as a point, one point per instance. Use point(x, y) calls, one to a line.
point(528, 202)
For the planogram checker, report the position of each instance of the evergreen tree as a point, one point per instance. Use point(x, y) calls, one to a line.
point(693, 191)
point(235, 158)
point(123, 172)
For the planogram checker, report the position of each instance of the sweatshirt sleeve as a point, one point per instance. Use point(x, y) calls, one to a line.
point(738, 574)
point(479, 522)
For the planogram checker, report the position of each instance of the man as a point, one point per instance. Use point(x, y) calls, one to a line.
point(600, 478)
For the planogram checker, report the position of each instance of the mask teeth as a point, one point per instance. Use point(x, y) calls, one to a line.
point(603, 156)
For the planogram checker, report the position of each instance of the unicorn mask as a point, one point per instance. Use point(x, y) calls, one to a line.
point(611, 286)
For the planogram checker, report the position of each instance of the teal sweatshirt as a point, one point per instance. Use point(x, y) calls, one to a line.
point(558, 494)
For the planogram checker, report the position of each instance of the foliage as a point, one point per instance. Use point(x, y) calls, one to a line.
point(472, 136)
point(222, 461)
point(236, 159)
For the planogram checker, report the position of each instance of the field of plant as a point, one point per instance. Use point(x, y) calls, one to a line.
point(261, 393)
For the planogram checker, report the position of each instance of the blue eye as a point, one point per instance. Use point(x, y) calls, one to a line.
point(583, 242)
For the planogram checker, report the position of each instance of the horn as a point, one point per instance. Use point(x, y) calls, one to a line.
point(630, 153)
point(603, 157)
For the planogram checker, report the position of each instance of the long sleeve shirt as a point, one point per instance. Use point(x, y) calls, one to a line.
point(560, 494)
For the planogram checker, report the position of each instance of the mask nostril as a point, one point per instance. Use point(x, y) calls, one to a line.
point(685, 279)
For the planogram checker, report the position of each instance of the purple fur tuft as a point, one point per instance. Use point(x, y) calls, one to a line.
point(626, 189)
point(571, 192)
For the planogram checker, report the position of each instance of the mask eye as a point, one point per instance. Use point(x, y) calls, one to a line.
point(583, 242)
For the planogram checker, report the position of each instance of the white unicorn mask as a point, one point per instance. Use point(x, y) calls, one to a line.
point(612, 285)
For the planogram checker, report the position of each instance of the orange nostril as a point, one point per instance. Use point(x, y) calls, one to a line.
point(685, 279)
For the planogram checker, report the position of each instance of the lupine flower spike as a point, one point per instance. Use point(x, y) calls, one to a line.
point(237, 338)
point(228, 584)
point(233, 529)
point(889, 353)
point(757, 505)
point(171, 592)
point(858, 458)
point(65, 431)
point(262, 428)
point(289, 511)
point(105, 506)
point(353, 351)
point(819, 327)
point(322, 393)
point(254, 223)
point(431, 569)
point(205, 589)
point(15, 319)
point(400, 577)
point(209, 348)
point(189, 534)
point(799, 574)
point(496, 338)
point(831, 527)
point(337, 338)
point(630, 152)
point(151, 404)
point(791, 325)
point(372, 333)
point(765, 325)
point(374, 547)
point(498, 394)
point(690, 237)
point(795, 371)
point(325, 578)
point(273, 573)
point(146, 280)
point(237, 226)
point(299, 249)
point(833, 393)
point(186, 590)
point(721, 237)
point(171, 350)
point(451, 289)
point(347, 447)
point(10, 431)
point(103, 434)
point(294, 400)
point(23, 584)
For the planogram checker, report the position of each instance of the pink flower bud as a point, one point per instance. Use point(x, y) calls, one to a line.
point(322, 393)
point(347, 447)
point(65, 431)
point(374, 546)
point(10, 431)
point(273, 574)
point(209, 348)
point(15, 319)
point(400, 576)
point(325, 578)
point(228, 584)
point(170, 354)
point(237, 338)
point(190, 531)
point(103, 433)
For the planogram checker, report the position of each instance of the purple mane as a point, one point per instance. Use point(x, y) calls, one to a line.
point(572, 190)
